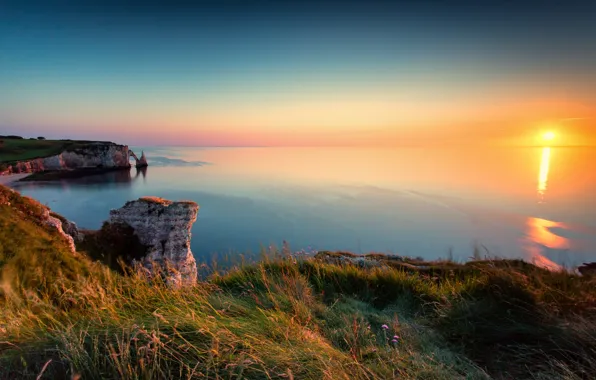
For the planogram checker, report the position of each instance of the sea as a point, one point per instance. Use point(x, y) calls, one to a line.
point(537, 204)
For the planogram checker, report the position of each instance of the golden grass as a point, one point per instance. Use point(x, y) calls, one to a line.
point(65, 317)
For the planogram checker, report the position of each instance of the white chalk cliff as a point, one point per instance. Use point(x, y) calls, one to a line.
point(92, 155)
point(164, 228)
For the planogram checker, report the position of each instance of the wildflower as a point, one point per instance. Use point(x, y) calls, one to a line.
point(395, 337)
point(394, 341)
point(385, 327)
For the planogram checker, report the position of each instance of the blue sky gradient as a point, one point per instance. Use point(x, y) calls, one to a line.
point(236, 73)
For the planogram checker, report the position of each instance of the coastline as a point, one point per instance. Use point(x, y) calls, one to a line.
point(9, 179)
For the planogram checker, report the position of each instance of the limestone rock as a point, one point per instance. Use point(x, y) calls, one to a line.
point(70, 228)
point(92, 155)
point(142, 162)
point(57, 224)
point(164, 228)
point(346, 258)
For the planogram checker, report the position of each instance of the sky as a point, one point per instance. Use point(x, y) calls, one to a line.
point(294, 73)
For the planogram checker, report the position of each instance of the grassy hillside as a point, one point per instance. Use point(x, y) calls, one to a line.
point(25, 149)
point(65, 317)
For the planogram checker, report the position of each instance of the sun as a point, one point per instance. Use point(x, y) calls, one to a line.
point(549, 136)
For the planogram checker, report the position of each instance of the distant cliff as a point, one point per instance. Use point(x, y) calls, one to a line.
point(89, 155)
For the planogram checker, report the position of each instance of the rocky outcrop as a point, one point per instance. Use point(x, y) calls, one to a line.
point(68, 227)
point(91, 155)
point(57, 224)
point(347, 258)
point(373, 260)
point(587, 269)
point(140, 162)
point(164, 228)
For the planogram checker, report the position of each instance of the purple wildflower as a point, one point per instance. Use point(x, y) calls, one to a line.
point(394, 341)
point(395, 337)
point(385, 327)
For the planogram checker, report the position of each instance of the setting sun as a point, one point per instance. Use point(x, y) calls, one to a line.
point(549, 136)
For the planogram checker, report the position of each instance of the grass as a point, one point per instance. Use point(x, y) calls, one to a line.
point(12, 150)
point(285, 318)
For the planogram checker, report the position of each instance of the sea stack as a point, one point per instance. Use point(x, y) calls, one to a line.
point(142, 162)
point(164, 228)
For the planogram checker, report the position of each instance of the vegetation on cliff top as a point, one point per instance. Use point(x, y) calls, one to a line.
point(14, 149)
point(285, 318)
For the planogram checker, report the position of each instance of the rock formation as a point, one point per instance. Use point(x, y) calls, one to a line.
point(164, 228)
point(91, 155)
point(57, 224)
point(346, 258)
point(65, 228)
point(140, 162)
point(68, 227)
point(587, 269)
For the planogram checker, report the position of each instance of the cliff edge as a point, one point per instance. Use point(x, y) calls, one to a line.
point(76, 155)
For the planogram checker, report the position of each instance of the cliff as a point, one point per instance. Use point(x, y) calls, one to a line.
point(84, 156)
point(164, 228)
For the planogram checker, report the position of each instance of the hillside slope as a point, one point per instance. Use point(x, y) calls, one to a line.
point(64, 316)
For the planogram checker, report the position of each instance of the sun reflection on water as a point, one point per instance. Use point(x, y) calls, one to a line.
point(540, 236)
point(543, 174)
point(540, 232)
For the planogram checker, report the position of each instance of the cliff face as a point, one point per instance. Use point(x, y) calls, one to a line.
point(92, 155)
point(164, 228)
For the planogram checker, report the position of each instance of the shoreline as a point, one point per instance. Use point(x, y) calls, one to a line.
point(9, 179)
point(56, 175)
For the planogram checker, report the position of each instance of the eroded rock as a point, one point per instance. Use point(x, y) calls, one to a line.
point(92, 155)
point(164, 228)
point(142, 162)
point(69, 227)
point(57, 224)
point(347, 258)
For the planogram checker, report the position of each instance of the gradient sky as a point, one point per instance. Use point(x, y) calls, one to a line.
point(234, 72)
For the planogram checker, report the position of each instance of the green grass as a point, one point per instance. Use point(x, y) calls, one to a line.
point(282, 318)
point(13, 150)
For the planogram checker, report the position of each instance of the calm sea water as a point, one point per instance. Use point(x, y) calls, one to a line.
point(538, 204)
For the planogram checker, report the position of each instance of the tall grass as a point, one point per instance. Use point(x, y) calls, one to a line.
point(67, 317)
point(307, 319)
